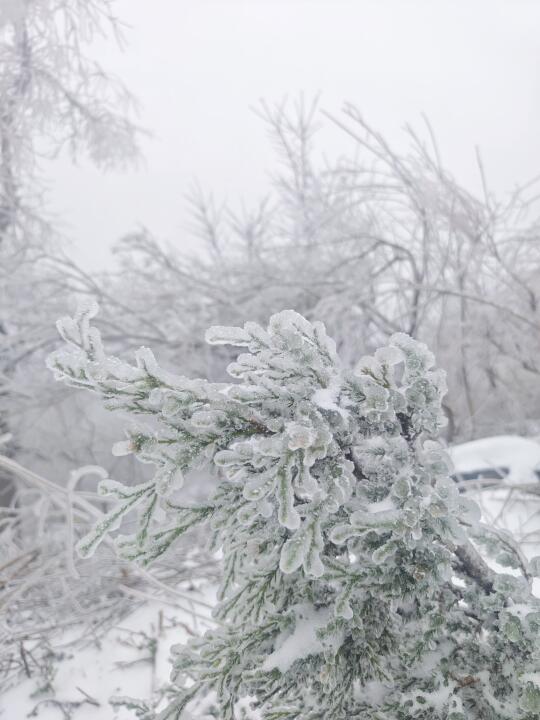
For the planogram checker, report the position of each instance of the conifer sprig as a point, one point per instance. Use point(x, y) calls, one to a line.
point(353, 583)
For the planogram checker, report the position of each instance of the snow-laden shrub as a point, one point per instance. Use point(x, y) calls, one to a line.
point(352, 584)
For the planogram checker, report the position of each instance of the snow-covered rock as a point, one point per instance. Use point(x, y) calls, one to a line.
point(515, 459)
point(510, 462)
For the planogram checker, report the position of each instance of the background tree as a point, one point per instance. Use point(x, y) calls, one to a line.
point(55, 98)
point(373, 243)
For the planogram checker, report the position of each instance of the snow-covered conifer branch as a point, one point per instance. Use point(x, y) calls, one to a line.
point(353, 583)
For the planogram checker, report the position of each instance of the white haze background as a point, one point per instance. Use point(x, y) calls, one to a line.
point(197, 66)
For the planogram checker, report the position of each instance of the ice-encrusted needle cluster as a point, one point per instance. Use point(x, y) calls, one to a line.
point(352, 587)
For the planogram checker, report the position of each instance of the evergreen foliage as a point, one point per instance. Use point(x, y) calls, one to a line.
point(353, 586)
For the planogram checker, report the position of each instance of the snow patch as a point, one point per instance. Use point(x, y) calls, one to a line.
point(302, 642)
point(327, 398)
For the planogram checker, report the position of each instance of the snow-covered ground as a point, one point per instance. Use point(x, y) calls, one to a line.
point(133, 657)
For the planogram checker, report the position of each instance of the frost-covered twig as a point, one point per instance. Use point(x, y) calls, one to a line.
point(45, 590)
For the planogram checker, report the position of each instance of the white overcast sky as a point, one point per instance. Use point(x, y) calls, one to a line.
point(197, 66)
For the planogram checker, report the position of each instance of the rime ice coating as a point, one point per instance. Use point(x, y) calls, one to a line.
point(350, 559)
